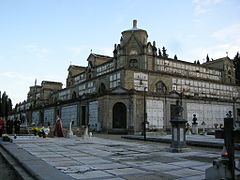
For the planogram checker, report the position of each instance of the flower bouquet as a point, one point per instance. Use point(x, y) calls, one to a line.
point(5, 137)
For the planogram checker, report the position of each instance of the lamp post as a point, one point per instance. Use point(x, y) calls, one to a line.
point(145, 113)
point(144, 110)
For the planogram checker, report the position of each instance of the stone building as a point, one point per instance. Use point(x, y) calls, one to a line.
point(109, 93)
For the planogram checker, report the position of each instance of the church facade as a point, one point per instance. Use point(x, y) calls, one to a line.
point(113, 94)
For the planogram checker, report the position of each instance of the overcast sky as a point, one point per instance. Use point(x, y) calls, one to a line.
point(40, 38)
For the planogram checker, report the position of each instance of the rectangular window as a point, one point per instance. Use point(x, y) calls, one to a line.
point(174, 81)
point(174, 87)
point(115, 80)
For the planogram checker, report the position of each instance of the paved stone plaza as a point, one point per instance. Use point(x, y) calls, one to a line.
point(99, 158)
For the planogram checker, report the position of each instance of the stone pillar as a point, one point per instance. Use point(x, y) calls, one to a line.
point(178, 135)
point(178, 132)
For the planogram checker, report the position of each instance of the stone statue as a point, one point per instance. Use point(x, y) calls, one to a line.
point(194, 125)
point(179, 109)
point(229, 114)
point(86, 135)
point(70, 132)
point(194, 119)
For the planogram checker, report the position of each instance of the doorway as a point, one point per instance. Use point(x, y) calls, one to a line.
point(83, 115)
point(119, 116)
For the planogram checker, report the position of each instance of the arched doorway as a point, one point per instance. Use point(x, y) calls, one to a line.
point(119, 116)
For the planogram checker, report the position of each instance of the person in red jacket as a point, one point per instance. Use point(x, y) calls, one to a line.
point(58, 131)
point(1, 126)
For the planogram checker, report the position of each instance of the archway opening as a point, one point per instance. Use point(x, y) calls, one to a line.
point(119, 116)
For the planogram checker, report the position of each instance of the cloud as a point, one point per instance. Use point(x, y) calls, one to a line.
point(18, 76)
point(227, 40)
point(229, 33)
point(75, 51)
point(108, 51)
point(36, 50)
point(203, 6)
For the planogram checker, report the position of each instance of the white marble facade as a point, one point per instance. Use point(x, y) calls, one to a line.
point(209, 113)
point(49, 116)
point(154, 113)
point(68, 114)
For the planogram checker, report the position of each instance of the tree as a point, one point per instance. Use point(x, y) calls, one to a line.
point(236, 62)
point(175, 57)
point(198, 62)
point(1, 113)
point(207, 58)
point(5, 105)
point(164, 52)
point(9, 105)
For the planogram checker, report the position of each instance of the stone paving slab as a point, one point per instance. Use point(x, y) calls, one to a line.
point(186, 172)
point(126, 171)
point(151, 176)
point(200, 177)
point(53, 159)
point(91, 175)
point(185, 164)
point(100, 158)
point(75, 169)
point(201, 168)
point(63, 163)
point(35, 166)
point(109, 166)
point(161, 167)
point(194, 140)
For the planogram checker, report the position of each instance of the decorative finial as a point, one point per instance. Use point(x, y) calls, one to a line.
point(154, 43)
point(134, 23)
point(227, 54)
point(91, 51)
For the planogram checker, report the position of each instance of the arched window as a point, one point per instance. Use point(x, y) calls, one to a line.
point(133, 63)
point(161, 87)
point(102, 88)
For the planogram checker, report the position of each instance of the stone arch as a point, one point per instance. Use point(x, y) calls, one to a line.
point(119, 116)
point(102, 88)
point(161, 88)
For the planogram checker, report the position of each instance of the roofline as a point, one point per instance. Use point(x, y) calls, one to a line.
point(52, 82)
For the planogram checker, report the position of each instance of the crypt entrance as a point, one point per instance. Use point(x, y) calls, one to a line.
point(119, 116)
